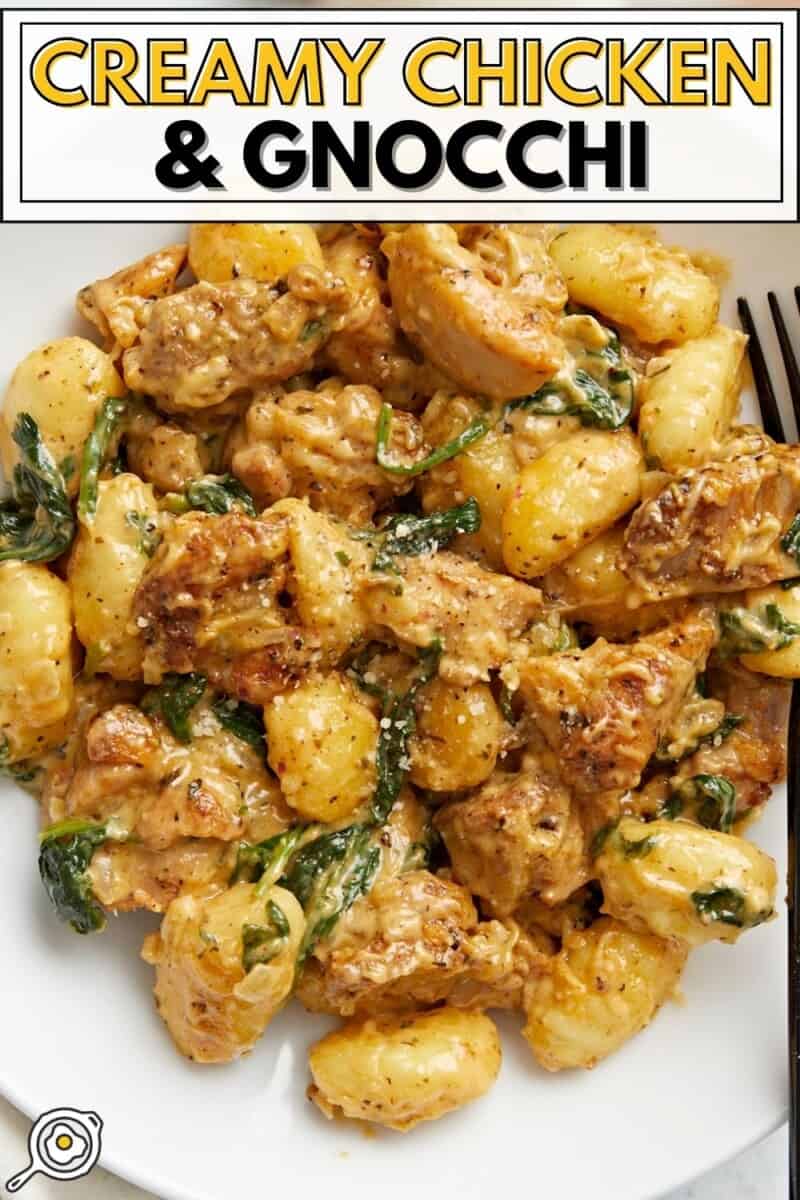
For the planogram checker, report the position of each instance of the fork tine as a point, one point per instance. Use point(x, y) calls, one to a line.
point(770, 413)
point(787, 353)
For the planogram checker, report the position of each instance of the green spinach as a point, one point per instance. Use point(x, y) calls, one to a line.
point(149, 537)
point(95, 452)
point(173, 701)
point(265, 862)
point(262, 943)
point(244, 720)
point(328, 875)
point(711, 799)
point(790, 542)
point(396, 727)
point(476, 429)
point(65, 853)
point(37, 524)
point(600, 394)
point(751, 631)
point(725, 904)
point(408, 535)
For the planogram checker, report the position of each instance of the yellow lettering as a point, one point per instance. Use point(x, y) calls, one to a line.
point(624, 71)
point(113, 63)
point(353, 68)
point(557, 65)
point(479, 72)
point(219, 73)
point(682, 72)
point(40, 71)
point(160, 71)
point(304, 72)
point(728, 64)
point(413, 67)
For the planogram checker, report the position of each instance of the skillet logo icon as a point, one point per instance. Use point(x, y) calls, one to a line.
point(63, 1143)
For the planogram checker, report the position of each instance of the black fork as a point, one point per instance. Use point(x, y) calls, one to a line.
point(773, 425)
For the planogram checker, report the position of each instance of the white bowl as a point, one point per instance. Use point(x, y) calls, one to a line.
point(79, 1027)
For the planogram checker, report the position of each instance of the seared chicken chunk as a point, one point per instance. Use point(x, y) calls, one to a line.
point(166, 456)
point(716, 529)
point(753, 756)
point(603, 710)
point(210, 342)
point(321, 445)
point(476, 614)
point(128, 875)
point(518, 834)
point(161, 790)
point(486, 316)
point(211, 601)
point(118, 306)
point(405, 945)
point(372, 348)
point(251, 602)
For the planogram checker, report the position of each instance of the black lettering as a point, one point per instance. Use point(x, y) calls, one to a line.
point(385, 149)
point(457, 147)
point(580, 155)
point(517, 146)
point(639, 154)
point(293, 161)
point(327, 144)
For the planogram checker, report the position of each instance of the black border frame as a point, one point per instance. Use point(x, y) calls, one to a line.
point(626, 18)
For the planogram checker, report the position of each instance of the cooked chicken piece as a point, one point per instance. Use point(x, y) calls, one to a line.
point(716, 529)
point(224, 968)
point(485, 316)
point(475, 613)
point(372, 349)
point(531, 951)
point(753, 756)
point(211, 342)
point(251, 602)
point(518, 834)
point(118, 306)
point(557, 921)
point(321, 445)
point(93, 695)
point(161, 790)
point(405, 945)
point(211, 601)
point(167, 456)
point(603, 710)
point(697, 719)
point(126, 875)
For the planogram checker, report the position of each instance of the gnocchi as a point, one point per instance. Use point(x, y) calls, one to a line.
point(606, 984)
point(321, 739)
point(689, 398)
point(561, 501)
point(398, 1072)
point(109, 559)
point(682, 881)
point(36, 687)
point(633, 279)
point(61, 385)
point(264, 252)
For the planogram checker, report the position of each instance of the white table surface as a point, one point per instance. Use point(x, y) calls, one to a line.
point(758, 1174)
